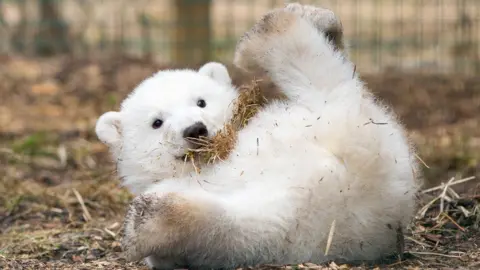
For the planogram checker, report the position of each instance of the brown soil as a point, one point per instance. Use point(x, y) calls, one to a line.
point(61, 206)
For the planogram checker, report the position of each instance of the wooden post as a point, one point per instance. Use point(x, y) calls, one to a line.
point(52, 36)
point(20, 36)
point(192, 34)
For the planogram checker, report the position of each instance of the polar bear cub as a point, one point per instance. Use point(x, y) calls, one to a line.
point(148, 137)
point(329, 158)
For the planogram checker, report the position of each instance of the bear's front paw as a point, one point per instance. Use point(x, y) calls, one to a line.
point(156, 224)
point(162, 225)
point(141, 222)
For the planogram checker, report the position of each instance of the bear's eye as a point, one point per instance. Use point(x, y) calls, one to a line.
point(157, 123)
point(201, 103)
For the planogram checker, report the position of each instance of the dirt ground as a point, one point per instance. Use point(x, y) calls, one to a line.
point(61, 206)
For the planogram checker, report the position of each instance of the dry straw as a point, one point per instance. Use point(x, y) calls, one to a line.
point(248, 103)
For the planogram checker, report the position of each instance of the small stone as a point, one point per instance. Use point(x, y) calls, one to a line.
point(116, 246)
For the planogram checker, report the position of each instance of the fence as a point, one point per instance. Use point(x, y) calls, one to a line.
point(432, 35)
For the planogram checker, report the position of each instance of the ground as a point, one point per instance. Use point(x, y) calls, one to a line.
point(61, 206)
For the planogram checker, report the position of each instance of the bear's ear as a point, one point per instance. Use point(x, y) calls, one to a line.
point(216, 71)
point(108, 129)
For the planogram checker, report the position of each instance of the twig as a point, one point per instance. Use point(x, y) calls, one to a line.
point(434, 254)
point(375, 123)
point(421, 160)
point(454, 223)
point(395, 264)
point(330, 237)
point(86, 214)
point(197, 170)
point(475, 264)
point(112, 234)
point(451, 184)
point(113, 226)
point(452, 192)
point(419, 242)
point(443, 195)
point(423, 210)
point(62, 155)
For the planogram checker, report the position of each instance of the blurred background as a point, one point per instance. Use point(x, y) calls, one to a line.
point(434, 35)
point(65, 62)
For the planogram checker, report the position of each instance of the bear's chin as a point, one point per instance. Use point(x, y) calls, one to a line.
point(191, 146)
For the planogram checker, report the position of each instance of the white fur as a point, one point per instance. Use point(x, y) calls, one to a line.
point(330, 153)
point(217, 72)
point(144, 154)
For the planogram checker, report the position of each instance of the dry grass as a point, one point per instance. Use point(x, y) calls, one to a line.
point(61, 206)
point(220, 146)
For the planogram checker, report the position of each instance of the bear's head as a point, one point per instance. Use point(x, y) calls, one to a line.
point(160, 120)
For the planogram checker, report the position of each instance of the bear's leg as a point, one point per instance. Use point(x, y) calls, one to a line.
point(299, 47)
point(202, 230)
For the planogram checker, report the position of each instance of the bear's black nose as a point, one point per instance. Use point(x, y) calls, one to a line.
point(196, 130)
